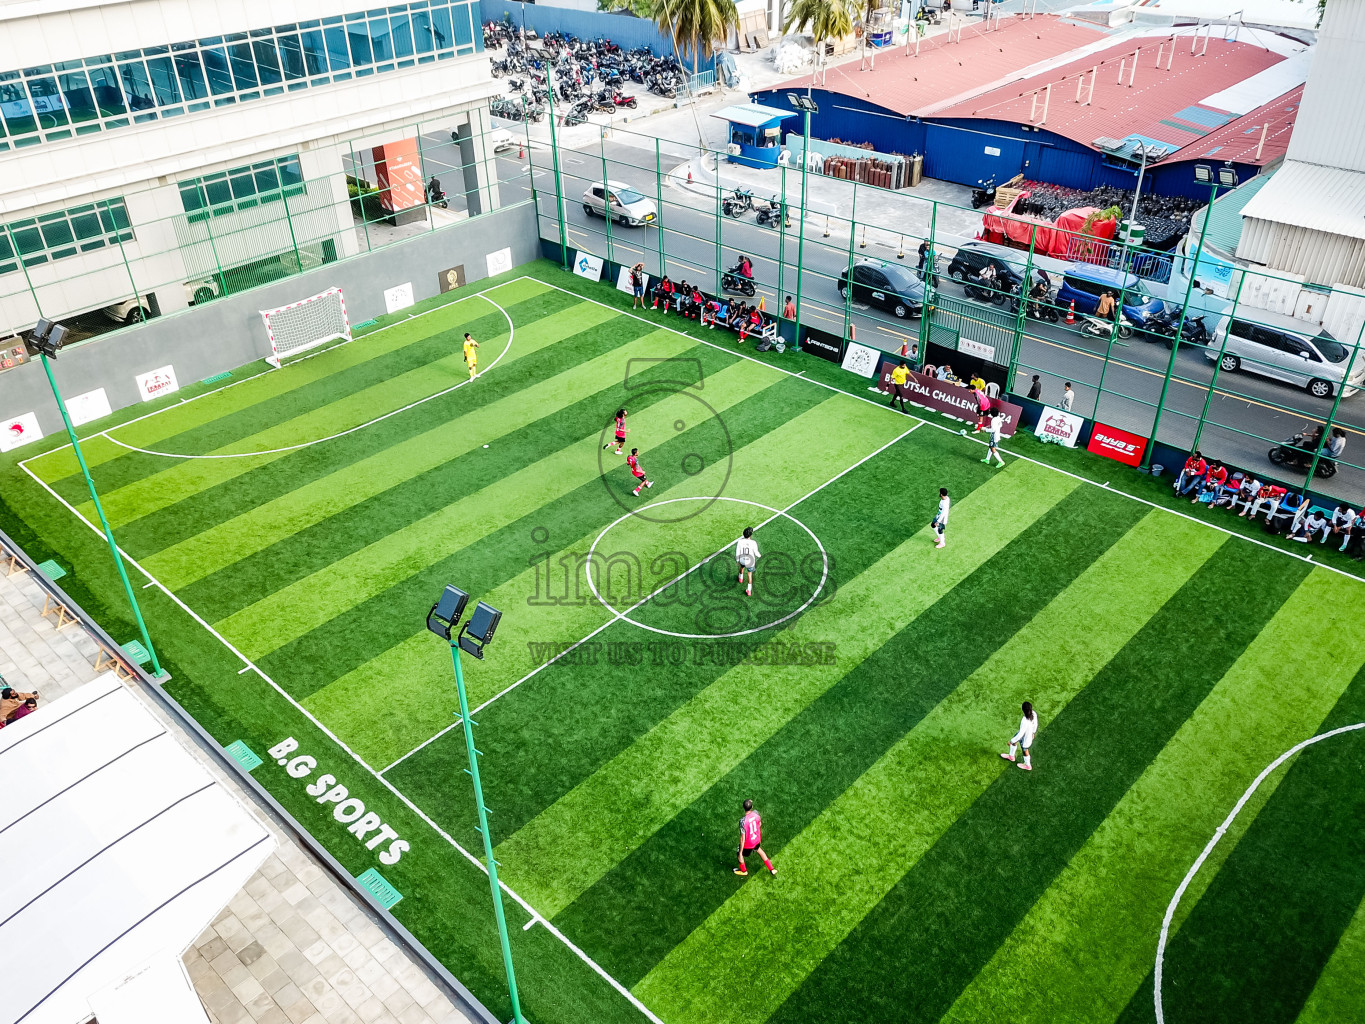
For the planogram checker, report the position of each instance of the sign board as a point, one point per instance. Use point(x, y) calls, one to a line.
point(587, 265)
point(955, 400)
point(975, 348)
point(1117, 444)
point(158, 382)
point(12, 356)
point(992, 150)
point(398, 297)
point(89, 406)
point(1058, 426)
point(861, 360)
point(623, 281)
point(398, 167)
point(451, 279)
point(19, 431)
point(499, 262)
point(826, 346)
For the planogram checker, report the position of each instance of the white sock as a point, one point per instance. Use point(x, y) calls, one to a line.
point(1028, 759)
point(1013, 748)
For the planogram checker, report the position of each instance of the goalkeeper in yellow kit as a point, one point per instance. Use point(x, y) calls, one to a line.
point(471, 356)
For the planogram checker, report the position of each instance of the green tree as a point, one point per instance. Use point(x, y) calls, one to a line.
point(824, 19)
point(695, 25)
point(639, 8)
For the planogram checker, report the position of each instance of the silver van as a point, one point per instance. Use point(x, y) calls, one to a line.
point(1286, 349)
point(626, 205)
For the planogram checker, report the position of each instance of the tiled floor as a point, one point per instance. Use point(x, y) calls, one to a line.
point(293, 947)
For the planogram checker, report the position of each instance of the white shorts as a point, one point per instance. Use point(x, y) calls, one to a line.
point(745, 562)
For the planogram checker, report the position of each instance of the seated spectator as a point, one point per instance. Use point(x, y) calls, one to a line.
point(752, 325)
point(976, 383)
point(1212, 484)
point(1342, 523)
point(689, 302)
point(1310, 524)
point(663, 293)
point(1192, 475)
point(1270, 496)
point(11, 700)
point(1230, 490)
point(26, 708)
point(1246, 494)
point(714, 308)
point(945, 372)
point(739, 312)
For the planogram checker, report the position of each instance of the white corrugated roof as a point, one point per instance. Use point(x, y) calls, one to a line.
point(1328, 199)
point(751, 115)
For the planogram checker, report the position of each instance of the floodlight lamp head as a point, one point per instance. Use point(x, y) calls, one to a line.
point(1227, 176)
point(444, 617)
point(45, 339)
point(479, 630)
point(1203, 174)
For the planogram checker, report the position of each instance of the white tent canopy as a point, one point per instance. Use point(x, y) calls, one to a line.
point(119, 849)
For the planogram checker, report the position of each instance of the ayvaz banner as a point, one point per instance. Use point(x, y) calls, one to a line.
point(1059, 426)
point(956, 400)
point(1117, 444)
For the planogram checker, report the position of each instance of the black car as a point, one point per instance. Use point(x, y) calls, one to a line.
point(893, 288)
point(974, 257)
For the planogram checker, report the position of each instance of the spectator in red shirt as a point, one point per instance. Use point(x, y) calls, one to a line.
point(1214, 480)
point(1271, 495)
point(1192, 475)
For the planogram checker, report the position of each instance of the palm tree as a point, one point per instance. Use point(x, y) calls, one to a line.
point(824, 19)
point(697, 24)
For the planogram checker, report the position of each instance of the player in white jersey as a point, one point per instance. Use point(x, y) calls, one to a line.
point(747, 556)
point(1028, 728)
point(940, 522)
point(997, 425)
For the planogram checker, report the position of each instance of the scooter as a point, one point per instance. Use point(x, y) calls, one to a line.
point(983, 194)
point(1040, 307)
point(767, 213)
point(985, 289)
point(737, 202)
point(436, 196)
point(732, 281)
point(1163, 326)
point(1297, 453)
point(1097, 327)
point(620, 99)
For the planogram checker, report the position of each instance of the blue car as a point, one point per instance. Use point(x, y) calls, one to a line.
point(1084, 283)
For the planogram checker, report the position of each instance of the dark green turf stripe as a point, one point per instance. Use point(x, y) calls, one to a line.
point(276, 566)
point(832, 742)
point(165, 527)
point(328, 652)
point(260, 416)
point(947, 916)
point(577, 710)
point(1256, 942)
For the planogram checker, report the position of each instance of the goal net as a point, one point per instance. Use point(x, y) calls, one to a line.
point(306, 324)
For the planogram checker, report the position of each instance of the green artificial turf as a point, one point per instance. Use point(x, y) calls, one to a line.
point(920, 877)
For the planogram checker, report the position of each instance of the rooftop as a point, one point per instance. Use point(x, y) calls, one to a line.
point(1327, 199)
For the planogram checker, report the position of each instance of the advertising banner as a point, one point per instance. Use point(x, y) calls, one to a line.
point(1117, 444)
point(1058, 426)
point(19, 431)
point(452, 278)
point(861, 360)
point(585, 264)
point(975, 348)
point(398, 297)
point(158, 382)
point(499, 262)
point(826, 346)
point(398, 168)
point(956, 400)
point(89, 406)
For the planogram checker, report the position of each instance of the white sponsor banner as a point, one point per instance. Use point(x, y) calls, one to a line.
point(499, 262)
point(87, 407)
point(861, 360)
point(623, 281)
point(398, 297)
point(975, 348)
point(587, 265)
point(20, 431)
point(158, 382)
point(1058, 426)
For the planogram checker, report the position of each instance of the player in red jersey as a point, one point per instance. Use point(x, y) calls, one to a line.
point(751, 840)
point(621, 431)
point(633, 461)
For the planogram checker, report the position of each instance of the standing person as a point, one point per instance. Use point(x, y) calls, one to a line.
point(637, 286)
point(1035, 390)
point(471, 356)
point(899, 377)
point(940, 522)
point(1068, 397)
point(1028, 728)
point(633, 461)
point(746, 557)
point(621, 431)
point(751, 840)
point(993, 448)
point(789, 309)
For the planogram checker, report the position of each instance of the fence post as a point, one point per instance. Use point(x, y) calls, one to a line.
point(360, 199)
point(1218, 364)
point(782, 239)
point(1336, 404)
point(606, 189)
point(123, 253)
point(719, 215)
point(848, 278)
point(659, 206)
point(1022, 311)
point(930, 285)
point(558, 171)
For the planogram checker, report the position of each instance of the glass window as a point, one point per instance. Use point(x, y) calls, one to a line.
point(290, 172)
point(190, 73)
point(291, 57)
point(243, 66)
point(464, 32)
point(338, 56)
point(137, 86)
point(359, 37)
point(15, 105)
point(108, 96)
point(267, 177)
point(267, 60)
point(191, 197)
point(47, 102)
point(381, 40)
point(79, 100)
point(217, 190)
point(216, 64)
point(57, 234)
point(314, 51)
point(162, 73)
point(440, 27)
point(114, 215)
point(402, 35)
point(242, 183)
point(29, 241)
point(421, 31)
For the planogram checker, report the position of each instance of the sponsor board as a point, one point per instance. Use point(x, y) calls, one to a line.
point(585, 264)
point(451, 279)
point(975, 348)
point(1059, 426)
point(956, 400)
point(623, 281)
point(1116, 444)
point(398, 297)
point(89, 406)
point(20, 431)
point(823, 345)
point(398, 168)
point(158, 382)
point(861, 360)
point(499, 262)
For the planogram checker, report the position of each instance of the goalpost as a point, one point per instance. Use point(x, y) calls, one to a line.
point(306, 324)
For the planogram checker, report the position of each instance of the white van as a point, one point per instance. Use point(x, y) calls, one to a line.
point(1283, 348)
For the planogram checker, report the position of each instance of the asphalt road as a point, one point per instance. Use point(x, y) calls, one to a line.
point(1246, 414)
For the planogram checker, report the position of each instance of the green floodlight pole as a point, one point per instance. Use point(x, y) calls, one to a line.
point(554, 158)
point(1336, 404)
point(1218, 365)
point(806, 105)
point(782, 238)
point(659, 207)
point(1022, 312)
point(1203, 172)
point(930, 287)
point(104, 521)
point(848, 288)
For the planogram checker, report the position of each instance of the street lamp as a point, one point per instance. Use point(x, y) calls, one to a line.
point(807, 107)
point(1224, 176)
point(444, 621)
point(45, 341)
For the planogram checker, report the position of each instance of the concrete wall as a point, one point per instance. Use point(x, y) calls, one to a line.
point(205, 340)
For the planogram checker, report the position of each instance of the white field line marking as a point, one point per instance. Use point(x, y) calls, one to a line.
point(618, 615)
point(1217, 835)
point(511, 330)
point(252, 666)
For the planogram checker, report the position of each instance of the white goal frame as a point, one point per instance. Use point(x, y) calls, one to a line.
point(285, 343)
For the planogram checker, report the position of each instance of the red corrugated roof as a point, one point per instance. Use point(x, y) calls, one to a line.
point(1239, 140)
point(945, 70)
point(1162, 106)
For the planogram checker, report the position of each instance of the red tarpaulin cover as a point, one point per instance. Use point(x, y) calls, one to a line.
point(1052, 239)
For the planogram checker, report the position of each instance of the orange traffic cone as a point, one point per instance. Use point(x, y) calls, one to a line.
point(521, 152)
point(1071, 313)
point(689, 175)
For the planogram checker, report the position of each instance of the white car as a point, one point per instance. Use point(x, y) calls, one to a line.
point(502, 140)
point(626, 205)
point(133, 311)
point(1287, 349)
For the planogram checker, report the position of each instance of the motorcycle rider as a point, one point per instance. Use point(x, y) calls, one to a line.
point(434, 193)
point(745, 267)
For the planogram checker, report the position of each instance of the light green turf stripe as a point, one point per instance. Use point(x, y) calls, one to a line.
point(236, 538)
point(187, 477)
point(800, 454)
point(575, 841)
point(1339, 994)
point(307, 603)
point(903, 803)
point(1088, 943)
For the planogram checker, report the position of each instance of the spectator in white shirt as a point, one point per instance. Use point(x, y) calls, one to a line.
point(1343, 521)
point(940, 522)
point(1310, 525)
point(1251, 488)
point(1068, 397)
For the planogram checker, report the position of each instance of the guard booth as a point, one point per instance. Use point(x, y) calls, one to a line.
point(755, 133)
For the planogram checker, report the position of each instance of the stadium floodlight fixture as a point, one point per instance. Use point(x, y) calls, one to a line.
point(444, 617)
point(479, 630)
point(804, 103)
point(1203, 174)
point(45, 339)
point(1227, 176)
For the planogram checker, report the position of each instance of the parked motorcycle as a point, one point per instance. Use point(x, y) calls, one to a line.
point(620, 99)
point(983, 194)
point(737, 202)
point(768, 212)
point(1098, 327)
point(732, 281)
point(1297, 453)
point(1194, 330)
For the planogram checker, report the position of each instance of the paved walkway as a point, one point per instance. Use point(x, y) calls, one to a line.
point(293, 947)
